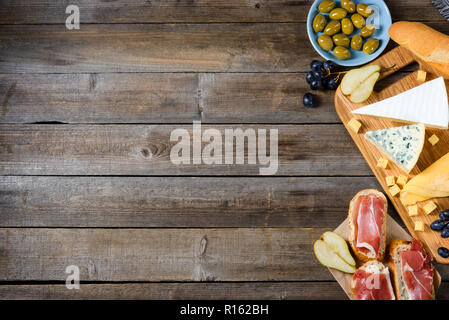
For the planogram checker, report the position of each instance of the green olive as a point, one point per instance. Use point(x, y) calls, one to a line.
point(358, 20)
point(346, 26)
point(364, 9)
point(348, 5)
point(341, 39)
point(319, 22)
point(326, 6)
point(342, 53)
point(368, 31)
point(356, 42)
point(338, 14)
point(370, 46)
point(325, 42)
point(332, 28)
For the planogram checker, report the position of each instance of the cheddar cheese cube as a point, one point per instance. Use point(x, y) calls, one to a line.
point(382, 163)
point(402, 180)
point(419, 226)
point(433, 140)
point(390, 180)
point(394, 190)
point(354, 125)
point(428, 208)
point(413, 211)
point(422, 75)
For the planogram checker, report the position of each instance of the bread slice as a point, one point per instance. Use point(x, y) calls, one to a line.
point(373, 267)
point(395, 266)
point(383, 238)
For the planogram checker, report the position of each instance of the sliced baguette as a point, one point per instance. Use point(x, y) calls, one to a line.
point(373, 267)
point(394, 264)
point(383, 238)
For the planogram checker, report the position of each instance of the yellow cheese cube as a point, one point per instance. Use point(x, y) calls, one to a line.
point(390, 180)
point(421, 76)
point(382, 163)
point(402, 180)
point(419, 226)
point(434, 140)
point(428, 208)
point(394, 190)
point(413, 211)
point(354, 125)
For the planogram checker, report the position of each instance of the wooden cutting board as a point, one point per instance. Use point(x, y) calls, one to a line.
point(390, 63)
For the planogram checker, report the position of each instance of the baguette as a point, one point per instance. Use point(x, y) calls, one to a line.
point(424, 42)
point(383, 239)
point(395, 266)
point(362, 292)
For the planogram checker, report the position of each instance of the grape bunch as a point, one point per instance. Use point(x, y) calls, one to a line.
point(323, 76)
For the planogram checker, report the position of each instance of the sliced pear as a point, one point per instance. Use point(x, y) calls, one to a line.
point(337, 244)
point(363, 92)
point(329, 258)
point(355, 77)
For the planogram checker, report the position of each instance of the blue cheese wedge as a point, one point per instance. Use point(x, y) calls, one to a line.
point(426, 104)
point(402, 145)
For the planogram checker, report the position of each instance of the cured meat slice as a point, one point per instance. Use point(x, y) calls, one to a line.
point(368, 217)
point(372, 282)
point(417, 272)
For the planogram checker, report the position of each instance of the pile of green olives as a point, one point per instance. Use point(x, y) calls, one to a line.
point(336, 26)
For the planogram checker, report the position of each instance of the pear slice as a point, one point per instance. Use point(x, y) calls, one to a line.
point(329, 258)
point(355, 77)
point(363, 92)
point(337, 244)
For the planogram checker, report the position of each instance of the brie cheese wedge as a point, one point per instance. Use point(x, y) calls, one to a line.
point(402, 145)
point(427, 104)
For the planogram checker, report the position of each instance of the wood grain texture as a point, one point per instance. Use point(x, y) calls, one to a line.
point(281, 254)
point(184, 291)
point(400, 56)
point(188, 291)
point(155, 48)
point(160, 98)
point(145, 150)
point(163, 98)
point(140, 11)
point(256, 254)
point(98, 48)
point(177, 202)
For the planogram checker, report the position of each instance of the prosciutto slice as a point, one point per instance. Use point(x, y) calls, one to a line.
point(417, 272)
point(372, 286)
point(368, 217)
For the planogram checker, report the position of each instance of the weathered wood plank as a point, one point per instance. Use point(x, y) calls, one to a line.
point(160, 98)
point(140, 11)
point(180, 291)
point(188, 291)
point(145, 150)
point(155, 48)
point(256, 254)
point(121, 97)
point(163, 98)
point(177, 202)
point(161, 254)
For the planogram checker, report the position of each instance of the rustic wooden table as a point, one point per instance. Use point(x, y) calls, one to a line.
point(86, 178)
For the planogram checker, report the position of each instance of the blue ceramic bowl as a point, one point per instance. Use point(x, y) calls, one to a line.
point(383, 19)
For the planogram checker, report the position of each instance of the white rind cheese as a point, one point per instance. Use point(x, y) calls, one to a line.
point(402, 145)
point(427, 104)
